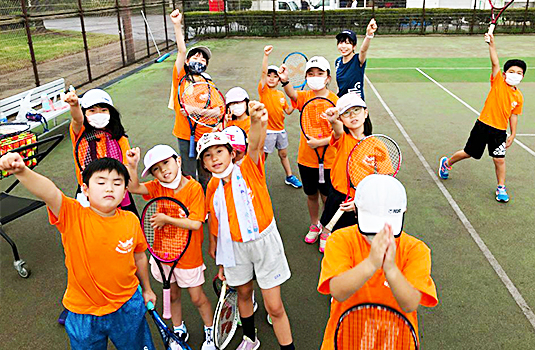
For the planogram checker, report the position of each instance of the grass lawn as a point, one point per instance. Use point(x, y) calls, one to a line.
point(48, 44)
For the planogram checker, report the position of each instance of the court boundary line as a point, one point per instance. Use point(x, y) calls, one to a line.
point(411, 68)
point(529, 150)
point(515, 293)
point(525, 134)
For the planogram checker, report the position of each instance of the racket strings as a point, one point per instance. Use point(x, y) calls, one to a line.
point(227, 316)
point(95, 145)
point(314, 125)
point(169, 242)
point(296, 68)
point(375, 328)
point(204, 104)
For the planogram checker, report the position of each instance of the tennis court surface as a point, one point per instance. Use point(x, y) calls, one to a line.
point(425, 92)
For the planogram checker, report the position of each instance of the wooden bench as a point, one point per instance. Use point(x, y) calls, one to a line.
point(10, 106)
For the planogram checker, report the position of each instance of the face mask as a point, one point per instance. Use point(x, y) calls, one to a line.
point(197, 67)
point(173, 184)
point(238, 109)
point(225, 173)
point(98, 120)
point(316, 83)
point(513, 79)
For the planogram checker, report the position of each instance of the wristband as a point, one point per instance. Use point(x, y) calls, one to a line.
point(284, 83)
point(370, 36)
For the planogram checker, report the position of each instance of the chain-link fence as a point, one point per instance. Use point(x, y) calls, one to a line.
point(82, 40)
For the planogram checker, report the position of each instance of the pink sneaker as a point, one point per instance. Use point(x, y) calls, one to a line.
point(248, 344)
point(323, 241)
point(313, 233)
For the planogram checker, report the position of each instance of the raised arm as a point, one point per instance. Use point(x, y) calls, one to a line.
point(40, 186)
point(257, 133)
point(494, 60)
point(77, 117)
point(176, 18)
point(333, 117)
point(267, 50)
point(288, 88)
point(370, 32)
point(132, 156)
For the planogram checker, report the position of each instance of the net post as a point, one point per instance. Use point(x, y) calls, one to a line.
point(423, 18)
point(30, 42)
point(84, 36)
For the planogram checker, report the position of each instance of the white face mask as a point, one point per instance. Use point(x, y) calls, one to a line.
point(316, 83)
point(225, 173)
point(98, 120)
point(238, 109)
point(175, 183)
point(513, 79)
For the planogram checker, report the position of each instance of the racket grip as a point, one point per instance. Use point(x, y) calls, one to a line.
point(334, 220)
point(322, 173)
point(150, 305)
point(167, 303)
point(491, 28)
point(192, 146)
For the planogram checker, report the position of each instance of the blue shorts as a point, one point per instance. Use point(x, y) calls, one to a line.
point(127, 328)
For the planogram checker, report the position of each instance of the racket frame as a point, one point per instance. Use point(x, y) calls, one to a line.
point(321, 165)
point(23, 127)
point(226, 293)
point(494, 18)
point(302, 85)
point(166, 334)
point(166, 281)
point(83, 137)
point(350, 185)
point(377, 306)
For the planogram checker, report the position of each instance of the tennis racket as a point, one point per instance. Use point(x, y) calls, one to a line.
point(296, 63)
point(374, 154)
point(95, 144)
point(12, 129)
point(374, 326)
point(168, 243)
point(314, 125)
point(165, 332)
point(226, 315)
point(203, 104)
point(495, 6)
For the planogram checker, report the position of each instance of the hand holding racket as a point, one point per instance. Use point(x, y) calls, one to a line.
point(226, 314)
point(374, 326)
point(495, 6)
point(167, 243)
point(165, 332)
point(374, 154)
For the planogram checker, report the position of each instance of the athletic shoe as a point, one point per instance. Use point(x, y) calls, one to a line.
point(62, 317)
point(293, 181)
point(501, 194)
point(248, 344)
point(270, 321)
point(323, 241)
point(182, 332)
point(444, 168)
point(313, 233)
point(208, 339)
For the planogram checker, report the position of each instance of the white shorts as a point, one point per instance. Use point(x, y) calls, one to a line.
point(184, 278)
point(275, 139)
point(263, 257)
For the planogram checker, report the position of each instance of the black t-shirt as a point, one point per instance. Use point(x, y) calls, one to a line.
point(350, 76)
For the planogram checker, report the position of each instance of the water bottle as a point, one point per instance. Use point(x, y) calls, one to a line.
point(45, 103)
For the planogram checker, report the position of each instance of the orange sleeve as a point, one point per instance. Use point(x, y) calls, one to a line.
point(337, 143)
point(141, 245)
point(210, 190)
point(152, 187)
point(301, 100)
point(261, 90)
point(336, 259)
point(125, 146)
point(417, 270)
point(62, 220)
point(257, 170)
point(518, 109)
point(497, 78)
point(196, 206)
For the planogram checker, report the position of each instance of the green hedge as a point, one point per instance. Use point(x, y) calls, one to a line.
point(390, 21)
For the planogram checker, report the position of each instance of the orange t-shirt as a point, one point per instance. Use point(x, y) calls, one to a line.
point(346, 248)
point(275, 103)
point(99, 256)
point(123, 143)
point(182, 129)
point(192, 196)
point(255, 178)
point(306, 155)
point(501, 103)
point(244, 124)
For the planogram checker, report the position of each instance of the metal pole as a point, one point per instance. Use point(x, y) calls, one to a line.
point(423, 18)
point(274, 17)
point(184, 19)
point(165, 26)
point(84, 36)
point(120, 31)
point(373, 8)
point(226, 19)
point(146, 30)
point(323, 16)
point(30, 43)
point(525, 17)
point(473, 18)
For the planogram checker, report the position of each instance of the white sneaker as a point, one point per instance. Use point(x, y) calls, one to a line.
point(182, 332)
point(248, 344)
point(208, 339)
point(173, 345)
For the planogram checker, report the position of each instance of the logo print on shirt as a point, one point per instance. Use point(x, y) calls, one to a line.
point(386, 284)
point(125, 247)
point(513, 105)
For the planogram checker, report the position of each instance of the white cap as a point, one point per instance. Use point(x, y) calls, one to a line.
point(204, 49)
point(351, 99)
point(237, 138)
point(211, 139)
point(94, 97)
point(236, 94)
point(273, 67)
point(380, 199)
point(318, 62)
point(157, 154)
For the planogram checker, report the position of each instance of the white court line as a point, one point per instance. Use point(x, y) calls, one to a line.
point(525, 134)
point(529, 150)
point(475, 236)
point(449, 68)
